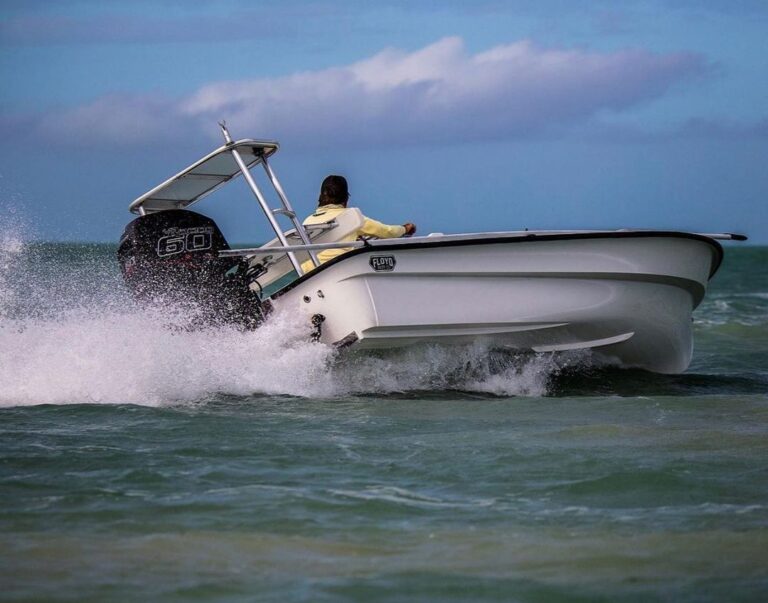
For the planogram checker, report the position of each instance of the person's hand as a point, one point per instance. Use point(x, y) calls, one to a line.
point(410, 228)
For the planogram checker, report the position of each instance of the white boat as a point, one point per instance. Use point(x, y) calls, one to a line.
point(627, 295)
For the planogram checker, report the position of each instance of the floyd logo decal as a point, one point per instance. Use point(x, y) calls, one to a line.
point(383, 263)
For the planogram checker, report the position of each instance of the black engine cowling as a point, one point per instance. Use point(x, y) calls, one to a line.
point(172, 257)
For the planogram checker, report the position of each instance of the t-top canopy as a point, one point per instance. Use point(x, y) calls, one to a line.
point(203, 177)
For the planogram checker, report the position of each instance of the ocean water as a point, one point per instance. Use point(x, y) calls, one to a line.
point(144, 463)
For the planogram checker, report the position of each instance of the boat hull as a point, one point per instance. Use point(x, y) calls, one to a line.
point(628, 298)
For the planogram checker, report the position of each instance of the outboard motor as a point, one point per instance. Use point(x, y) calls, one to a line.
point(172, 257)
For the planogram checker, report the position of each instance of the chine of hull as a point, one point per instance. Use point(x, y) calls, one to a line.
point(629, 299)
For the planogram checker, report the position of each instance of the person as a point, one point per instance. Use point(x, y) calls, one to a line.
point(334, 195)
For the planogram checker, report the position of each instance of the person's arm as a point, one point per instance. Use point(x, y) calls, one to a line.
point(374, 228)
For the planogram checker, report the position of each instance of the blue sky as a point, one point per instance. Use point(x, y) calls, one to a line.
point(459, 116)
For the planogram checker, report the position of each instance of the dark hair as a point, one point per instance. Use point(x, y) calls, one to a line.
point(333, 190)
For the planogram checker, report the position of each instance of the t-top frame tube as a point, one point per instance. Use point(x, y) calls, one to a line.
point(287, 205)
point(262, 201)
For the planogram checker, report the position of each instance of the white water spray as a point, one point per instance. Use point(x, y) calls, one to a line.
point(75, 337)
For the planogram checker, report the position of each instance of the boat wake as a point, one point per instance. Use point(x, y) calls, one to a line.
point(71, 335)
point(135, 358)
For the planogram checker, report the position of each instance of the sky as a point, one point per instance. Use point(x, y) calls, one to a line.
point(459, 116)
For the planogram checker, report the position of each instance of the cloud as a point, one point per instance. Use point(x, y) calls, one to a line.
point(435, 94)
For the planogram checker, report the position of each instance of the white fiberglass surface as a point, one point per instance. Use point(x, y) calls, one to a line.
point(201, 178)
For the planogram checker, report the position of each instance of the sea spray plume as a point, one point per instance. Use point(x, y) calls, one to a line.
point(524, 374)
point(13, 234)
point(11, 249)
point(471, 368)
point(134, 357)
point(77, 336)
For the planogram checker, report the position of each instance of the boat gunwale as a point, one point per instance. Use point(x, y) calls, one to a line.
point(516, 238)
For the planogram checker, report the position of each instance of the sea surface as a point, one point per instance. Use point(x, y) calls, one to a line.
point(140, 462)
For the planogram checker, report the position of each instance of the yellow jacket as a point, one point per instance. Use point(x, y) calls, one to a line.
point(370, 228)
